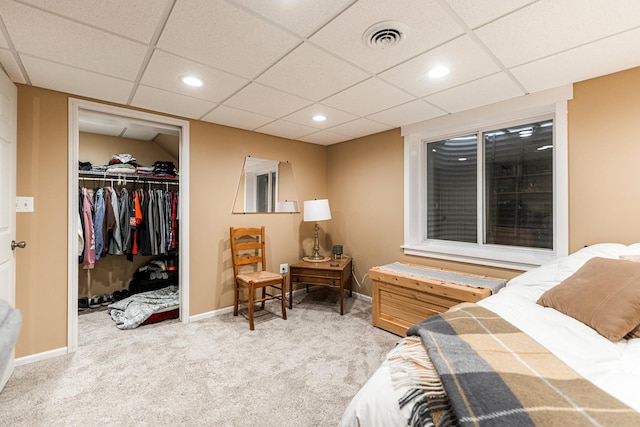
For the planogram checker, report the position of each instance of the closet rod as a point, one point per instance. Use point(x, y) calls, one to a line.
point(129, 181)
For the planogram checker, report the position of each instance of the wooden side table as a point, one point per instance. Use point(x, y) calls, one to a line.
point(321, 273)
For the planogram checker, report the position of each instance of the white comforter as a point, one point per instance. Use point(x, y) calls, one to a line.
point(614, 367)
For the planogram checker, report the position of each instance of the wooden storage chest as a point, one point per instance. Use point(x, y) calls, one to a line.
point(399, 300)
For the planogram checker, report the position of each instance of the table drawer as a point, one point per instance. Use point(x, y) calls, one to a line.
point(315, 273)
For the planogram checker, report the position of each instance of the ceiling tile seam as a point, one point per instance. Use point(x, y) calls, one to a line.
point(578, 46)
point(331, 19)
point(14, 52)
point(474, 37)
point(151, 48)
point(455, 87)
point(282, 27)
point(83, 23)
point(497, 18)
point(316, 130)
point(66, 65)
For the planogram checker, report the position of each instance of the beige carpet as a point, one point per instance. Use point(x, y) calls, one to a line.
point(215, 372)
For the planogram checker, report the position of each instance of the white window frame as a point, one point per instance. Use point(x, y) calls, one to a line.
point(523, 109)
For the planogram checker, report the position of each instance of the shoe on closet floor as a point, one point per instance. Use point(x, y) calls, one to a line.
point(95, 301)
point(83, 304)
point(105, 299)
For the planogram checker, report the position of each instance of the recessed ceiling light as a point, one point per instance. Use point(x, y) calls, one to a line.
point(319, 118)
point(438, 71)
point(191, 81)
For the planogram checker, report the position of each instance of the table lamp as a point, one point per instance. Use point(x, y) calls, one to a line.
point(316, 210)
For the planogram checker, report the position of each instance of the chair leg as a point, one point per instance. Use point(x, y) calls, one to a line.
point(252, 291)
point(283, 294)
point(235, 298)
point(264, 295)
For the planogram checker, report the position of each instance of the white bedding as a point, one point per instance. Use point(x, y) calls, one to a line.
point(614, 367)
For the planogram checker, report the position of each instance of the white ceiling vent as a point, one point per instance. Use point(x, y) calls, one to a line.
point(384, 35)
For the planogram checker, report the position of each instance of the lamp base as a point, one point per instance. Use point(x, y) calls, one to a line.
point(321, 259)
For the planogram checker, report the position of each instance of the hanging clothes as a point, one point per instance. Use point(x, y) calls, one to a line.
point(89, 256)
point(143, 222)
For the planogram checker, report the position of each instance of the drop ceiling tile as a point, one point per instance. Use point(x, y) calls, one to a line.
point(312, 73)
point(50, 75)
point(233, 117)
point(427, 24)
point(549, 26)
point(408, 113)
point(266, 101)
point(368, 97)
point(360, 127)
point(100, 128)
point(324, 137)
point(134, 19)
point(305, 116)
point(169, 102)
point(301, 16)
point(225, 37)
point(488, 90)
point(285, 129)
point(11, 66)
point(142, 133)
point(465, 59)
point(475, 13)
point(578, 64)
point(165, 69)
point(57, 39)
point(3, 41)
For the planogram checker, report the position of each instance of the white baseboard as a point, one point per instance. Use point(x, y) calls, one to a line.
point(41, 356)
point(209, 314)
point(225, 310)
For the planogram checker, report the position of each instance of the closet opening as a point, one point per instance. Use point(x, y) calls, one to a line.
point(127, 217)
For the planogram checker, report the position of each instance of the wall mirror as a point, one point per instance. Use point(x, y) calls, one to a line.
point(266, 186)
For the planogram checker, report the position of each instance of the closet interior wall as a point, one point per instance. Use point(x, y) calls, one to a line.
point(114, 272)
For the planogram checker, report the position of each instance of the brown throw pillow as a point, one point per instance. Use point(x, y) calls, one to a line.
point(603, 294)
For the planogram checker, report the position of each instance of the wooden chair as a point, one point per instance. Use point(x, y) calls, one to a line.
point(248, 248)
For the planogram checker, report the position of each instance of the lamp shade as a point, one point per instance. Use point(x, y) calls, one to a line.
point(317, 210)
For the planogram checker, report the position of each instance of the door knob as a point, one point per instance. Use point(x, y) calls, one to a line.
point(20, 245)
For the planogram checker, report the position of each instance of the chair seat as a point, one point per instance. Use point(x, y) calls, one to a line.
point(259, 276)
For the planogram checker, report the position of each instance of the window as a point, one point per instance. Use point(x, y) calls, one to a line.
point(490, 191)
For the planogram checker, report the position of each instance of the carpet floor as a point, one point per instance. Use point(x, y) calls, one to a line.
point(214, 372)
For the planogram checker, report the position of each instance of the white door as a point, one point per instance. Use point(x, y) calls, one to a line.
point(8, 123)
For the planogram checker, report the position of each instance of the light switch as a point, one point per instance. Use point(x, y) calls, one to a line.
point(24, 204)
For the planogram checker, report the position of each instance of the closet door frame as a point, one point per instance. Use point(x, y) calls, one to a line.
point(76, 106)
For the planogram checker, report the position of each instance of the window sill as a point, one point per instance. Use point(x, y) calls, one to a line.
point(509, 257)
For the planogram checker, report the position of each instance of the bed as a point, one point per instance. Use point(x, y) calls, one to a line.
point(520, 362)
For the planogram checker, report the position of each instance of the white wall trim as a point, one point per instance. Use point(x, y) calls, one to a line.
point(75, 105)
point(41, 356)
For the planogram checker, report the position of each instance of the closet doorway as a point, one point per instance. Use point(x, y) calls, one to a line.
point(101, 118)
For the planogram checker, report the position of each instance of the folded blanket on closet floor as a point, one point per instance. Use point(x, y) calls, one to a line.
point(131, 312)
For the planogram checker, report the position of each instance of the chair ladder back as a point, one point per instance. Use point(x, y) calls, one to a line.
point(240, 250)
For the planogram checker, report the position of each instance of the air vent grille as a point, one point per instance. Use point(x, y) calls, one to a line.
point(384, 35)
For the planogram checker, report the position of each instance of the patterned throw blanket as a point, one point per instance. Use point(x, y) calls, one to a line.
point(481, 370)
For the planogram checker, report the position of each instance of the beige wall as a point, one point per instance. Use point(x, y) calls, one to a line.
point(604, 166)
point(217, 156)
point(362, 179)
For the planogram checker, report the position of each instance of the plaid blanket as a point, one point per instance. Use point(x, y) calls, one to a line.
point(491, 373)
